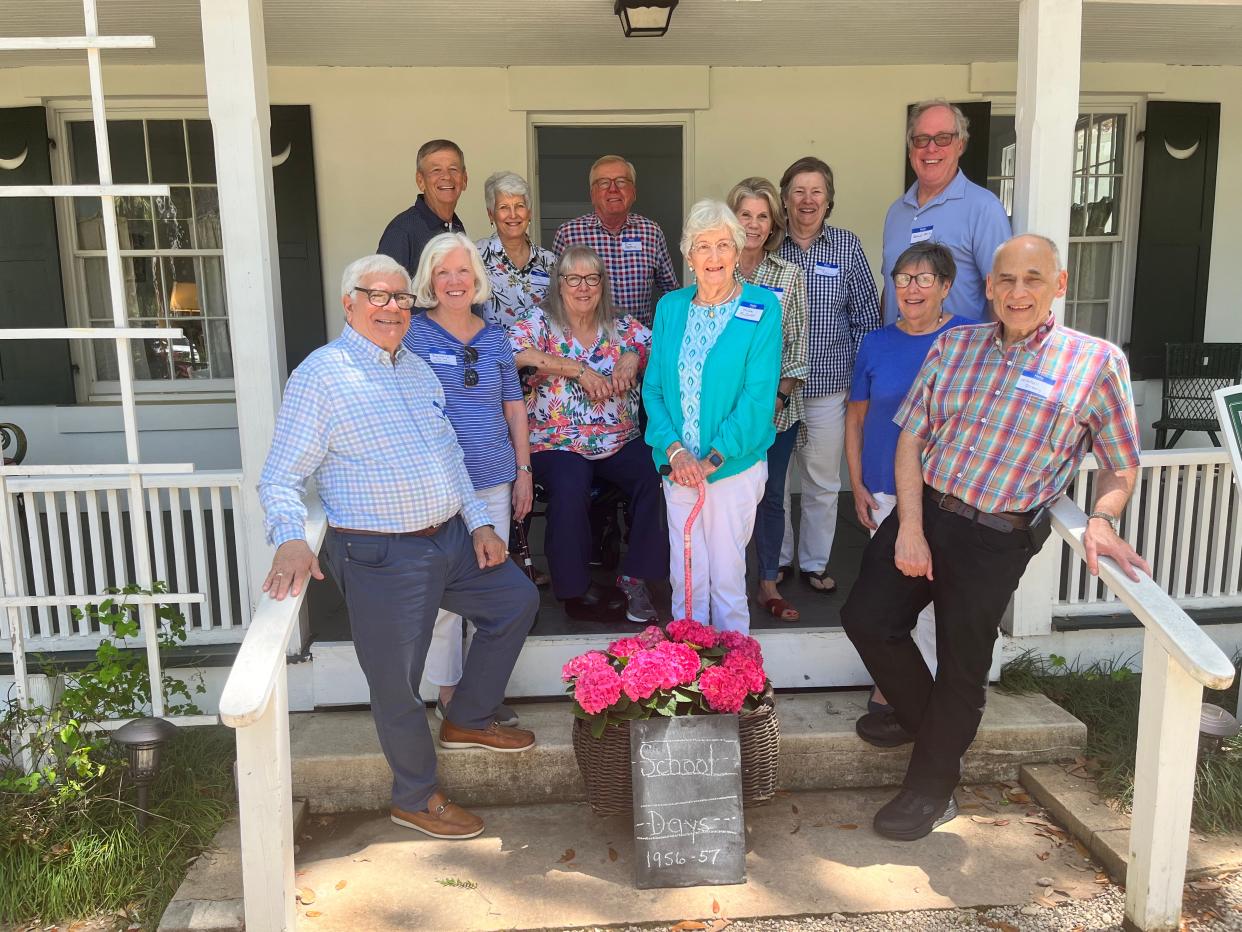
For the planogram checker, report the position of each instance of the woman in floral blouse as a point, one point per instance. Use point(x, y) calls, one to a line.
point(518, 270)
point(583, 413)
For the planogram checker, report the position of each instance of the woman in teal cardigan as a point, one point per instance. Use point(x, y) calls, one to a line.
point(715, 362)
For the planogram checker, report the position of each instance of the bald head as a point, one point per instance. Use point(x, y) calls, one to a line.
point(1026, 278)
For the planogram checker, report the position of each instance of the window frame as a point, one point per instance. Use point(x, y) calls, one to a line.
point(1133, 107)
point(87, 385)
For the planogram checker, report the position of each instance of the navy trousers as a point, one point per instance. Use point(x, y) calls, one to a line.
point(568, 478)
point(976, 570)
point(393, 586)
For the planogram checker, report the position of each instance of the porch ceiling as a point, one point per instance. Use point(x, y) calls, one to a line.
point(584, 32)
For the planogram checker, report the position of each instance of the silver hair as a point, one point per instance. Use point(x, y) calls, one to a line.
point(709, 214)
point(572, 260)
point(959, 119)
point(1056, 251)
point(367, 266)
point(504, 183)
point(611, 160)
point(433, 255)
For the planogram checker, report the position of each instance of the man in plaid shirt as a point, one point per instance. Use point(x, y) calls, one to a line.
point(993, 429)
point(633, 248)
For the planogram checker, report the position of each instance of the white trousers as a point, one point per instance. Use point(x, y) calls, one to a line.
point(718, 546)
point(446, 651)
point(924, 632)
point(818, 462)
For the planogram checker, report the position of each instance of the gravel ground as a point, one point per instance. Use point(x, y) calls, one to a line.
point(1209, 906)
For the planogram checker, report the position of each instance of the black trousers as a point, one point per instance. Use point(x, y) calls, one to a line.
point(976, 570)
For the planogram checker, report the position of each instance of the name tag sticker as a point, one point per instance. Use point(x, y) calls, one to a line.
point(829, 269)
point(748, 310)
point(773, 289)
point(444, 359)
point(920, 235)
point(631, 244)
point(1036, 384)
point(540, 277)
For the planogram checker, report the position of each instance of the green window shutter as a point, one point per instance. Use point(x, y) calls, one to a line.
point(297, 232)
point(1181, 144)
point(31, 372)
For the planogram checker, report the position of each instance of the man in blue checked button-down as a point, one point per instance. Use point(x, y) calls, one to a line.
point(365, 418)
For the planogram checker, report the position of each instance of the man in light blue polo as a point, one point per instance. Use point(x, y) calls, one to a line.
point(945, 207)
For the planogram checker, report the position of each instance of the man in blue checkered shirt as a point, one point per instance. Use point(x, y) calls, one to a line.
point(633, 248)
point(407, 535)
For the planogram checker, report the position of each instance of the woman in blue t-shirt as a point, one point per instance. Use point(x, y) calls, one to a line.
point(887, 363)
point(483, 401)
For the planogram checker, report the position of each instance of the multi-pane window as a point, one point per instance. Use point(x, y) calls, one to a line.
point(171, 255)
point(1097, 227)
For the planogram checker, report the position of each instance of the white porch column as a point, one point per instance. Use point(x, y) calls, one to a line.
point(1049, 54)
point(236, 66)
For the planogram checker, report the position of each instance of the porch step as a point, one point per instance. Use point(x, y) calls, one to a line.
point(338, 766)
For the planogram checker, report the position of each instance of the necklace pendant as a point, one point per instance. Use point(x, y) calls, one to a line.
point(711, 313)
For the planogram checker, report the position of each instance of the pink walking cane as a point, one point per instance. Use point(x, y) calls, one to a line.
point(688, 570)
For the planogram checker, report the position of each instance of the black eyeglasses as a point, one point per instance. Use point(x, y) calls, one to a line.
point(573, 281)
point(471, 356)
point(379, 298)
point(922, 140)
point(922, 279)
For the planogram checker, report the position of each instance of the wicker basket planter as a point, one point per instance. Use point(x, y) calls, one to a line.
point(604, 762)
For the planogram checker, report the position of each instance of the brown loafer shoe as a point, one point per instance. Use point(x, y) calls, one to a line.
point(443, 819)
point(495, 737)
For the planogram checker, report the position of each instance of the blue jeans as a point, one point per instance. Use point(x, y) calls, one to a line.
point(770, 515)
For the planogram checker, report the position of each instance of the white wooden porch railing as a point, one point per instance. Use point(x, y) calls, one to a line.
point(1179, 660)
point(74, 535)
point(255, 702)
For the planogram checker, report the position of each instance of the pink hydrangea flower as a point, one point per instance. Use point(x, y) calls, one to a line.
point(689, 631)
point(583, 662)
point(747, 669)
point(723, 689)
point(627, 647)
point(647, 671)
point(683, 661)
point(737, 641)
point(597, 688)
point(652, 635)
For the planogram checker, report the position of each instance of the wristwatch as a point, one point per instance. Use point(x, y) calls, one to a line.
point(1105, 516)
point(524, 468)
point(715, 459)
point(784, 397)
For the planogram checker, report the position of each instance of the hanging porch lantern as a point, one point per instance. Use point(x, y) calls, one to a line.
point(644, 17)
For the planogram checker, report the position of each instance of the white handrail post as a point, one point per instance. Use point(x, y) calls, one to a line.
point(1164, 785)
point(265, 794)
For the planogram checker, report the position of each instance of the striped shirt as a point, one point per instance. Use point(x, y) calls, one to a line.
point(1006, 429)
point(786, 281)
point(475, 411)
point(373, 433)
point(636, 258)
point(842, 306)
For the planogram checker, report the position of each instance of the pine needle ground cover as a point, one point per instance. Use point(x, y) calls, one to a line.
point(65, 860)
point(1105, 697)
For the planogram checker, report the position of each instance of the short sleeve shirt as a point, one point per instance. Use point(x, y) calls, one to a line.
point(966, 218)
point(1006, 429)
point(561, 416)
point(514, 289)
point(475, 411)
point(411, 230)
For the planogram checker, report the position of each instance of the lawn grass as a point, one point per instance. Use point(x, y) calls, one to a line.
point(1105, 697)
point(64, 862)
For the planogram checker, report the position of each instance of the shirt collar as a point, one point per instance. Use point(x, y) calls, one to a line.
point(495, 248)
point(432, 219)
point(1033, 343)
point(956, 189)
point(363, 348)
point(600, 223)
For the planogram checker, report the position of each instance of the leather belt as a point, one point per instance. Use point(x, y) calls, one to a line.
point(1003, 521)
point(424, 532)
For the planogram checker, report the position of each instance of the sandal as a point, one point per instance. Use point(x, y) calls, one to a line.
point(820, 582)
point(783, 573)
point(779, 609)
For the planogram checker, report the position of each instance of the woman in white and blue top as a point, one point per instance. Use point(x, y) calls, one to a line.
point(518, 271)
point(483, 401)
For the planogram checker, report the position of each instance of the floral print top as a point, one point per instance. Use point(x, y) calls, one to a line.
point(561, 416)
point(513, 289)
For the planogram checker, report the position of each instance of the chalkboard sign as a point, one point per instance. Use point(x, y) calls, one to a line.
point(687, 776)
point(1229, 413)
